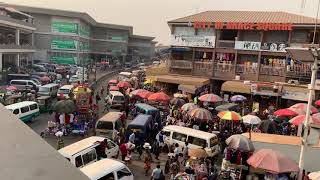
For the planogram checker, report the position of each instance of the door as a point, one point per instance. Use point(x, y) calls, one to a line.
point(124, 174)
point(112, 149)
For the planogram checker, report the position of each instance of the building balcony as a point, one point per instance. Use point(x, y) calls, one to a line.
point(225, 44)
point(14, 46)
point(203, 69)
point(17, 23)
point(181, 64)
point(272, 71)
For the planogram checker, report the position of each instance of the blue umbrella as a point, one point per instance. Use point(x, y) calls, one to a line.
point(238, 98)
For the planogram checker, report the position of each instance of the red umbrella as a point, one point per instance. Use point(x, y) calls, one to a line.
point(303, 107)
point(124, 84)
point(144, 94)
point(160, 96)
point(300, 119)
point(285, 112)
point(317, 102)
point(11, 88)
point(114, 88)
point(113, 81)
point(272, 161)
point(210, 98)
point(45, 79)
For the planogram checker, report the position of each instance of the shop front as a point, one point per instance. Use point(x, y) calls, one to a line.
point(265, 95)
point(291, 95)
point(230, 88)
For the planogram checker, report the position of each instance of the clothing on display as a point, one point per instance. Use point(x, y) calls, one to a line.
point(225, 56)
point(274, 62)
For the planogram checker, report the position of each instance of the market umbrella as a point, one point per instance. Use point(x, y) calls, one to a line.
point(272, 161)
point(285, 112)
point(300, 119)
point(45, 79)
point(11, 88)
point(142, 93)
point(238, 98)
point(229, 115)
point(81, 89)
point(64, 106)
point(188, 107)
point(114, 88)
point(303, 106)
point(251, 119)
point(200, 113)
point(210, 98)
point(227, 107)
point(113, 81)
point(124, 84)
point(298, 111)
point(240, 142)
point(178, 102)
point(197, 153)
point(317, 102)
point(147, 81)
point(159, 96)
point(268, 126)
point(314, 175)
point(178, 95)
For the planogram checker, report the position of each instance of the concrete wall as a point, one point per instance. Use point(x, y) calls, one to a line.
point(249, 36)
point(299, 36)
point(276, 36)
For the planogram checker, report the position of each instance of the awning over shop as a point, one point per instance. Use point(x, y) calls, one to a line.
point(187, 88)
point(178, 79)
point(299, 93)
point(236, 86)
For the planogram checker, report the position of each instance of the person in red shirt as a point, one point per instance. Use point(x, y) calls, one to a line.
point(123, 150)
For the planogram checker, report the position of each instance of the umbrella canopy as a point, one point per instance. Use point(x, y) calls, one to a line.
point(268, 126)
point(197, 153)
point(238, 98)
point(229, 115)
point(227, 107)
point(188, 107)
point(272, 161)
point(160, 96)
point(142, 93)
point(200, 113)
point(45, 79)
point(113, 81)
point(303, 106)
point(317, 102)
point(124, 84)
point(64, 106)
point(81, 89)
point(240, 142)
point(298, 111)
point(314, 175)
point(11, 88)
point(178, 95)
point(285, 112)
point(114, 88)
point(148, 81)
point(210, 98)
point(177, 101)
point(251, 119)
point(300, 119)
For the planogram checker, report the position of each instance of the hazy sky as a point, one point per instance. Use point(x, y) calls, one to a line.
point(149, 17)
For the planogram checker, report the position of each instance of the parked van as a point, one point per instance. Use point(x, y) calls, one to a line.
point(26, 110)
point(107, 169)
point(84, 152)
point(24, 85)
point(106, 125)
point(115, 99)
point(18, 76)
point(196, 138)
point(48, 90)
point(65, 91)
point(142, 125)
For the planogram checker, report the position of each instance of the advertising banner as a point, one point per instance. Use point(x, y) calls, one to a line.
point(193, 41)
point(274, 46)
point(247, 45)
point(263, 89)
point(64, 44)
point(64, 27)
point(84, 31)
point(63, 60)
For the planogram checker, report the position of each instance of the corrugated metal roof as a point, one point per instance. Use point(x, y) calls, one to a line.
point(246, 16)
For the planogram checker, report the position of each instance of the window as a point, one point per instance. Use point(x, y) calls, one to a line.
point(118, 98)
point(24, 109)
point(197, 141)
point(89, 157)
point(109, 176)
point(118, 125)
point(33, 106)
point(167, 133)
point(19, 83)
point(31, 83)
point(78, 161)
point(110, 145)
point(123, 172)
point(105, 125)
point(16, 111)
point(228, 35)
point(179, 137)
point(213, 141)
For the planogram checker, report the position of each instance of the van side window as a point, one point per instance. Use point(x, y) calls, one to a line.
point(24, 109)
point(33, 106)
point(214, 141)
point(89, 156)
point(179, 137)
point(30, 83)
point(123, 172)
point(78, 161)
point(167, 133)
point(197, 141)
point(19, 82)
point(16, 111)
point(109, 176)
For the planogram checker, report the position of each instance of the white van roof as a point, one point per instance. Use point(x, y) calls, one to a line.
point(116, 93)
point(76, 147)
point(101, 168)
point(50, 85)
point(67, 87)
point(189, 131)
point(111, 116)
point(125, 73)
point(20, 104)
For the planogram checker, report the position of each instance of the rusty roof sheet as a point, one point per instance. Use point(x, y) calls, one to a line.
point(246, 16)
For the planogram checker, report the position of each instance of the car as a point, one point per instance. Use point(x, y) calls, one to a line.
point(76, 78)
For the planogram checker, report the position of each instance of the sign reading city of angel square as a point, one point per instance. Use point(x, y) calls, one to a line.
point(244, 26)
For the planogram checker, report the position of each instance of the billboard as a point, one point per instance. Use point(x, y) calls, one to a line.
point(64, 27)
point(247, 45)
point(64, 60)
point(193, 41)
point(60, 44)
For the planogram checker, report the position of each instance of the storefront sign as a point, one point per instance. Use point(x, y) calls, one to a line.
point(273, 46)
point(263, 89)
point(244, 26)
point(64, 27)
point(193, 41)
point(247, 45)
point(63, 60)
point(293, 95)
point(64, 44)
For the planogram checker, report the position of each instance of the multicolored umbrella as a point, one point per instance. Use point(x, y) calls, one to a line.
point(251, 119)
point(142, 93)
point(240, 142)
point(124, 84)
point(201, 114)
point(238, 98)
point(303, 106)
point(210, 98)
point(301, 118)
point(285, 113)
point(11, 88)
point(188, 106)
point(229, 115)
point(159, 96)
point(272, 161)
point(178, 102)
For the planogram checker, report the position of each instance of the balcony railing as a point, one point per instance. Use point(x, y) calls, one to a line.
point(246, 69)
point(297, 73)
point(182, 64)
point(272, 71)
point(14, 46)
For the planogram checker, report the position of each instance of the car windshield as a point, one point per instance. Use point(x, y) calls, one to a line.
point(118, 98)
point(64, 91)
point(43, 89)
point(36, 81)
point(105, 125)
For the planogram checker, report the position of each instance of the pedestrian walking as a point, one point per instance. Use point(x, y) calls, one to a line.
point(102, 91)
point(185, 153)
point(98, 98)
point(123, 150)
point(147, 158)
point(174, 168)
point(157, 173)
point(132, 137)
point(156, 150)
